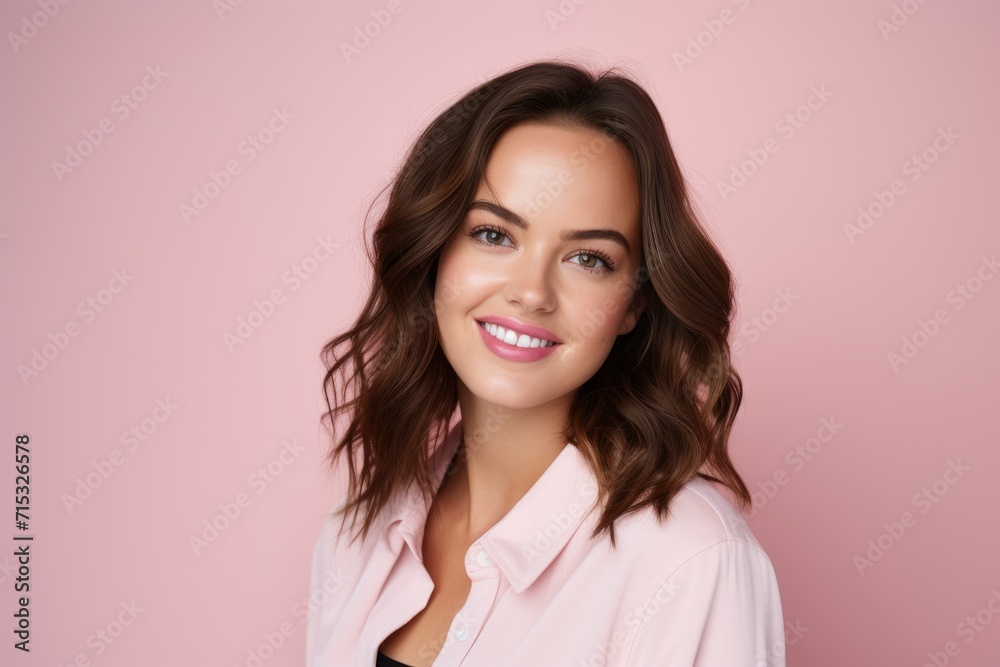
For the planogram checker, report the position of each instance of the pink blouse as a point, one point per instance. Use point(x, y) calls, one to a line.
point(695, 590)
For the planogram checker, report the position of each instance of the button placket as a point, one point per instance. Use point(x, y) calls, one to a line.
point(477, 561)
point(468, 621)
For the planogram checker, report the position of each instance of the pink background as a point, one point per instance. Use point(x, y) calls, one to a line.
point(854, 299)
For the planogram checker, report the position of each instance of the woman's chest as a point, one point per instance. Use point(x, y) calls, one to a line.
point(418, 641)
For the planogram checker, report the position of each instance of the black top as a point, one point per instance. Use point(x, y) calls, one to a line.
point(382, 660)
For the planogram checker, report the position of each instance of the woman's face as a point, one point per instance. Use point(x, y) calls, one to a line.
point(553, 254)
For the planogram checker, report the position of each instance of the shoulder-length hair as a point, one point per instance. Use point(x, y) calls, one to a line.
point(664, 401)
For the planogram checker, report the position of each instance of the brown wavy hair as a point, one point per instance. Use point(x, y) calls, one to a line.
point(664, 401)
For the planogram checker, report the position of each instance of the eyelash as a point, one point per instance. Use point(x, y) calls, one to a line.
point(608, 264)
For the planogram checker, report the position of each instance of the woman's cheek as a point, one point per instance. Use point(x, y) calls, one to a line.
point(612, 306)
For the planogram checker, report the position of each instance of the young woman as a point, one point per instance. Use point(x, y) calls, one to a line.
point(538, 401)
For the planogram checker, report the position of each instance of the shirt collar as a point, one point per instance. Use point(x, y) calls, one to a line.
point(533, 532)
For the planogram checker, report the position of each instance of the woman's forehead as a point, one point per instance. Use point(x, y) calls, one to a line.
point(545, 172)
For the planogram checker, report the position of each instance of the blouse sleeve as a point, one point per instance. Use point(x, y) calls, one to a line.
point(720, 608)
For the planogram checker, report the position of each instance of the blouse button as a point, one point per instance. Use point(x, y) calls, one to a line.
point(462, 633)
point(484, 559)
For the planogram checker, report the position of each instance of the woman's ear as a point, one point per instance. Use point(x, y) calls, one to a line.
point(634, 312)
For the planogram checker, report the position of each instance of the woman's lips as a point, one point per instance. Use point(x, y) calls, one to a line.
point(519, 327)
point(512, 352)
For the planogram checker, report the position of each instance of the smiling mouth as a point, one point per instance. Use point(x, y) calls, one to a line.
point(511, 337)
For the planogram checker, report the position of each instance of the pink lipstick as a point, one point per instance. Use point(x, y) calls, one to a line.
point(513, 352)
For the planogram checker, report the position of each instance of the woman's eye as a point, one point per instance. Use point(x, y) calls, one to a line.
point(488, 236)
point(587, 260)
point(590, 258)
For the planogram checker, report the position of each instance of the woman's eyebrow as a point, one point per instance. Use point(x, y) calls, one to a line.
point(567, 235)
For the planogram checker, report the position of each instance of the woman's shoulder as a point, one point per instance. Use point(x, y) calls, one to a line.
point(705, 513)
point(700, 519)
point(706, 586)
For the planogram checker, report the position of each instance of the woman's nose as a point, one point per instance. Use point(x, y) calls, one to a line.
point(531, 282)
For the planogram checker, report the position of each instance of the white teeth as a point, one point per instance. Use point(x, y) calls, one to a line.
point(510, 337)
